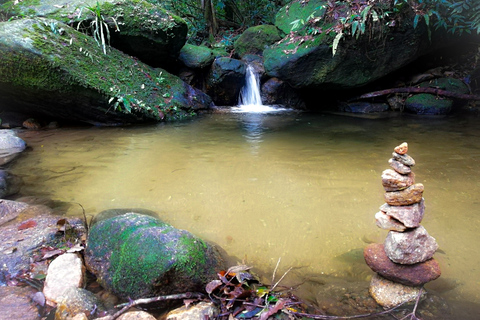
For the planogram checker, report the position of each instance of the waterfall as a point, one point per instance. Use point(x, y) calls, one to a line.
point(250, 93)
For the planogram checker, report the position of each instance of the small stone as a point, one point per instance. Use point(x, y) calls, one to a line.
point(399, 167)
point(64, 272)
point(411, 246)
point(410, 275)
point(31, 124)
point(402, 149)
point(404, 158)
point(202, 310)
point(408, 196)
point(394, 181)
point(386, 222)
point(410, 216)
point(390, 294)
point(137, 315)
point(77, 301)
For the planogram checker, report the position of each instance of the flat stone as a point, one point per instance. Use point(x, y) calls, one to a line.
point(410, 275)
point(9, 210)
point(386, 222)
point(399, 167)
point(16, 303)
point(404, 158)
point(402, 148)
point(390, 294)
point(410, 247)
point(202, 310)
point(394, 181)
point(64, 272)
point(408, 196)
point(410, 216)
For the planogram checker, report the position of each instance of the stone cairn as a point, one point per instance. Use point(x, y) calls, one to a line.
point(404, 262)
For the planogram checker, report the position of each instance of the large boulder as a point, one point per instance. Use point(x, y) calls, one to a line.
point(135, 255)
point(255, 39)
point(10, 146)
point(49, 69)
point(196, 57)
point(138, 28)
point(225, 80)
point(304, 58)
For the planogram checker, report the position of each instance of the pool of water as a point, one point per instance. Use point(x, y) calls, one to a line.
point(292, 186)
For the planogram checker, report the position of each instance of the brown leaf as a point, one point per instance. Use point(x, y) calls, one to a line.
point(271, 311)
point(27, 224)
point(212, 285)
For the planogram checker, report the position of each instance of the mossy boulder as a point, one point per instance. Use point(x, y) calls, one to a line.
point(196, 57)
point(304, 58)
point(225, 80)
point(255, 39)
point(49, 69)
point(138, 28)
point(135, 255)
point(430, 104)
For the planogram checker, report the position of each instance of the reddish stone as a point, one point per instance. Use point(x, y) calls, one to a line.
point(410, 216)
point(410, 275)
point(408, 196)
point(386, 222)
point(394, 181)
point(399, 167)
point(401, 149)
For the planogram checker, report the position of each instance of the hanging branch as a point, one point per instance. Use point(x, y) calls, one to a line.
point(434, 91)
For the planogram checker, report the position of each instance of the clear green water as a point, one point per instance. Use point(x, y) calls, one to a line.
point(303, 188)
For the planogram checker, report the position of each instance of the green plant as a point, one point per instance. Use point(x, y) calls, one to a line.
point(99, 26)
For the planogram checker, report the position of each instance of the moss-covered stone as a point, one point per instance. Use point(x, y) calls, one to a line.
point(428, 104)
point(52, 69)
point(135, 256)
point(138, 27)
point(448, 84)
point(255, 39)
point(298, 11)
point(196, 57)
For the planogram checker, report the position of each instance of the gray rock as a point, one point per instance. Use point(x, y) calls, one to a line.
point(76, 301)
point(409, 247)
point(16, 303)
point(10, 146)
point(404, 159)
point(410, 216)
point(9, 184)
point(386, 222)
point(399, 167)
point(225, 80)
point(9, 210)
point(394, 181)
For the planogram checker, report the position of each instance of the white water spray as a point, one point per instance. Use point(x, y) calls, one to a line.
point(250, 99)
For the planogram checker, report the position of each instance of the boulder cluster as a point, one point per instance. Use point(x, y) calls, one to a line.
point(404, 262)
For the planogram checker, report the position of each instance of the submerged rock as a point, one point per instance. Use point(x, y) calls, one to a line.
point(135, 255)
point(389, 294)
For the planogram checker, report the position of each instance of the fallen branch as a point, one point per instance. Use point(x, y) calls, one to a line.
point(434, 91)
point(133, 303)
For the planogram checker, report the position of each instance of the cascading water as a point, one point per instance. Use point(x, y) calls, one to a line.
point(250, 99)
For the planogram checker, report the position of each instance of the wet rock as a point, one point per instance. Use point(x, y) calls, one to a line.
point(428, 104)
point(16, 303)
point(78, 301)
point(275, 91)
point(404, 159)
point(409, 247)
point(389, 294)
point(410, 275)
point(386, 222)
point(196, 57)
point(9, 184)
point(34, 227)
point(10, 146)
point(137, 315)
point(394, 181)
point(225, 80)
point(402, 148)
point(202, 310)
point(9, 210)
point(364, 107)
point(135, 255)
point(410, 215)
point(408, 196)
point(399, 167)
point(64, 272)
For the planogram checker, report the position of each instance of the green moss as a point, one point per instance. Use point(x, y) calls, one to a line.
point(255, 39)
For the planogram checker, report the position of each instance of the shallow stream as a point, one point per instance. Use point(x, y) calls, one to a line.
point(300, 187)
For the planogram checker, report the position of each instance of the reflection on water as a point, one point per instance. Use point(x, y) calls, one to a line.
point(303, 188)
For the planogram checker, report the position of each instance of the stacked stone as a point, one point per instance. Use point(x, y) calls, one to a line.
point(404, 263)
